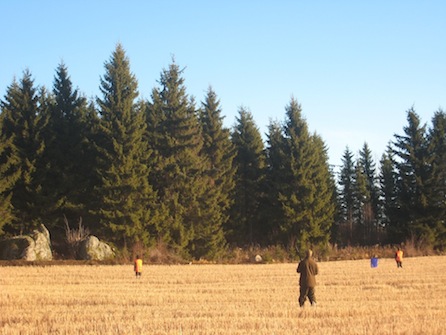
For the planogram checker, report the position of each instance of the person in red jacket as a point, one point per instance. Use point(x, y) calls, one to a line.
point(399, 258)
point(137, 266)
point(308, 270)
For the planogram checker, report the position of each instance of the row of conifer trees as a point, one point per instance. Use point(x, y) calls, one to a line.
point(167, 170)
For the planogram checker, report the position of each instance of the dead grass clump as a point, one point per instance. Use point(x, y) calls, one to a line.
point(74, 237)
point(416, 247)
point(161, 254)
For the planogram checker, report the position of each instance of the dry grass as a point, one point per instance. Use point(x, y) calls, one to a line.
point(224, 299)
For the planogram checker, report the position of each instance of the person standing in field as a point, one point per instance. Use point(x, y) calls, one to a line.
point(399, 258)
point(137, 266)
point(308, 270)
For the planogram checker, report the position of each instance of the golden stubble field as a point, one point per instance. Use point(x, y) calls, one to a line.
point(224, 299)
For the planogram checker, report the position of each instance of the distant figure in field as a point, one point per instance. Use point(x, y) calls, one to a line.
point(399, 258)
point(374, 261)
point(308, 270)
point(137, 266)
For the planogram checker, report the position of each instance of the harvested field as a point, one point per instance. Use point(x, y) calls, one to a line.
point(224, 299)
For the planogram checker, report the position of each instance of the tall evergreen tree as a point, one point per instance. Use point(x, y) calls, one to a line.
point(307, 200)
point(68, 167)
point(250, 164)
point(275, 181)
point(437, 189)
point(413, 167)
point(388, 194)
point(324, 206)
point(362, 205)
point(23, 122)
point(9, 174)
point(180, 178)
point(220, 153)
point(369, 196)
point(347, 197)
point(126, 201)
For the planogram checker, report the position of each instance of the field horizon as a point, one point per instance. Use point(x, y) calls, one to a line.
point(353, 298)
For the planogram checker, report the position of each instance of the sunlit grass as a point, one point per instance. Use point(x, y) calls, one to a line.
point(224, 299)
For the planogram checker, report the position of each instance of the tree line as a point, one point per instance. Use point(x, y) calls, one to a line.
point(141, 172)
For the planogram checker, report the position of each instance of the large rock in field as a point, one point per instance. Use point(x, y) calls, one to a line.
point(93, 249)
point(42, 246)
point(15, 247)
point(34, 247)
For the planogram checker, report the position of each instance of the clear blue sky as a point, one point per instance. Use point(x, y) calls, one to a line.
point(355, 67)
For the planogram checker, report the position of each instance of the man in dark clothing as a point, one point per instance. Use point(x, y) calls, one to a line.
point(308, 270)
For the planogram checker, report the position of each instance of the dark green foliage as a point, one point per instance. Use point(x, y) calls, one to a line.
point(324, 204)
point(219, 153)
point(372, 209)
point(307, 196)
point(366, 198)
point(126, 203)
point(413, 165)
point(140, 173)
point(180, 180)
point(437, 190)
point(243, 227)
point(389, 210)
point(359, 199)
point(23, 119)
point(9, 174)
point(347, 198)
point(362, 211)
point(67, 182)
point(271, 209)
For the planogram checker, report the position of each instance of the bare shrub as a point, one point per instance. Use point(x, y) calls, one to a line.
point(416, 246)
point(161, 254)
point(74, 237)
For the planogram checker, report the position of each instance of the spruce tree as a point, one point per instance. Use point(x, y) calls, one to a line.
point(275, 181)
point(362, 205)
point(219, 152)
point(413, 166)
point(126, 204)
point(390, 210)
point(437, 189)
point(369, 196)
point(9, 174)
point(324, 206)
point(250, 163)
point(66, 182)
point(180, 178)
point(347, 197)
point(307, 200)
point(23, 122)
